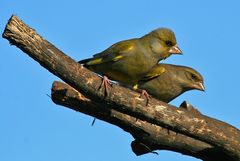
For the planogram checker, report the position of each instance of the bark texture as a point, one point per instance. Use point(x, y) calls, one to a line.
point(148, 137)
point(191, 124)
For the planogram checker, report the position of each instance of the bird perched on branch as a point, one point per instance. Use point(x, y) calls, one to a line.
point(166, 81)
point(129, 60)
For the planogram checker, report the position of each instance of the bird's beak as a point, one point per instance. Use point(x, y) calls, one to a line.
point(175, 50)
point(199, 86)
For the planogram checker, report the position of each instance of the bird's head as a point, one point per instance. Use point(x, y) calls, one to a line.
point(192, 79)
point(163, 42)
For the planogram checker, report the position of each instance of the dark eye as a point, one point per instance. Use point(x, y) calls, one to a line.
point(193, 76)
point(168, 43)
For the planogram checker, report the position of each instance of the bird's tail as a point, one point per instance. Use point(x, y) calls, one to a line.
point(84, 61)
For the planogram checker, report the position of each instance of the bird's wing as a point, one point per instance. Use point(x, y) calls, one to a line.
point(114, 53)
point(153, 73)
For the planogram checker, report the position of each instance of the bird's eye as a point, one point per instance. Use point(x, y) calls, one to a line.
point(194, 77)
point(168, 43)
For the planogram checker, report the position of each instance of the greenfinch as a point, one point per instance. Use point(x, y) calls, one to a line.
point(129, 60)
point(166, 81)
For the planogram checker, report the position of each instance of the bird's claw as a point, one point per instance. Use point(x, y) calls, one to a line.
point(146, 95)
point(106, 83)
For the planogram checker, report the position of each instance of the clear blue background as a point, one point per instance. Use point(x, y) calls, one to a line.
point(33, 128)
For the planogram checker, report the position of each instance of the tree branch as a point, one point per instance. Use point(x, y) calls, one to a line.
point(149, 137)
point(211, 131)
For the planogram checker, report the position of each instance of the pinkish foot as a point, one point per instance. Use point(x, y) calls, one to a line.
point(106, 83)
point(145, 94)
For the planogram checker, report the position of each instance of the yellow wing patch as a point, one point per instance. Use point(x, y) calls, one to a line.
point(155, 72)
point(124, 50)
point(117, 58)
point(114, 54)
point(130, 47)
point(95, 61)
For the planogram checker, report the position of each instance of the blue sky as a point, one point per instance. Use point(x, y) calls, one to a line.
point(34, 128)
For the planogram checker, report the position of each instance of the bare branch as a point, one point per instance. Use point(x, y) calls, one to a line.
point(149, 137)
